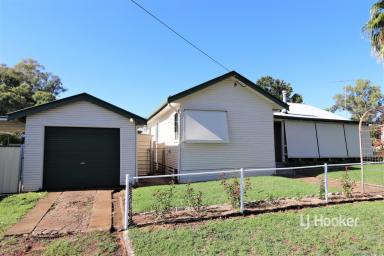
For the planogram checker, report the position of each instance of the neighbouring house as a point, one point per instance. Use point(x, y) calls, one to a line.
point(14, 126)
point(229, 122)
point(77, 142)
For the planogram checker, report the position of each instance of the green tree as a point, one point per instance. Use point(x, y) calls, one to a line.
point(374, 28)
point(25, 85)
point(358, 98)
point(276, 88)
point(296, 98)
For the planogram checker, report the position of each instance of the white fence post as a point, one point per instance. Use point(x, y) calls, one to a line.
point(241, 190)
point(326, 182)
point(362, 177)
point(127, 202)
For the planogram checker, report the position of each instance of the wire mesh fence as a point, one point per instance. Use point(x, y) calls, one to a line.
point(235, 191)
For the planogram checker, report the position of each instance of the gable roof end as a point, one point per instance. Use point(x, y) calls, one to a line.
point(204, 85)
point(75, 98)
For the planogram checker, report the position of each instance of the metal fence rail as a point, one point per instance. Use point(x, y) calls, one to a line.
point(241, 175)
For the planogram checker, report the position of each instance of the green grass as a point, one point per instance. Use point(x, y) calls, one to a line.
point(13, 207)
point(94, 243)
point(97, 243)
point(373, 174)
point(270, 234)
point(262, 187)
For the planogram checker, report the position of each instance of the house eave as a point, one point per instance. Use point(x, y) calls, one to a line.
point(206, 84)
point(314, 119)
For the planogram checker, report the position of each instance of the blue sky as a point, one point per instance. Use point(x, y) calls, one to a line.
point(113, 50)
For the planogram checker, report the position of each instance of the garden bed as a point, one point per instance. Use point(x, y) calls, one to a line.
point(261, 187)
point(278, 233)
point(186, 215)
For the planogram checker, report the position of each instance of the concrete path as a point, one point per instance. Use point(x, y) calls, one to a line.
point(28, 223)
point(101, 216)
point(69, 214)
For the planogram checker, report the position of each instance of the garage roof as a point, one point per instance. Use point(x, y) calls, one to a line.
point(75, 98)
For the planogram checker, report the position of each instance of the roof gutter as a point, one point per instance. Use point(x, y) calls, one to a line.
point(277, 116)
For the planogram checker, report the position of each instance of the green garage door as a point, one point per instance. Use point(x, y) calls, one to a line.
point(76, 158)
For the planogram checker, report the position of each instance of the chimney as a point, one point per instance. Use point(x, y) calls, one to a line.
point(284, 96)
point(284, 99)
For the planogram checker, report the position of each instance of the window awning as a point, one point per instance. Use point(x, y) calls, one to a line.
point(352, 138)
point(205, 126)
point(301, 139)
point(331, 140)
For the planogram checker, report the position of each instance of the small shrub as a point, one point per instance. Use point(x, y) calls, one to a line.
point(321, 189)
point(232, 189)
point(347, 183)
point(162, 204)
point(194, 199)
point(271, 199)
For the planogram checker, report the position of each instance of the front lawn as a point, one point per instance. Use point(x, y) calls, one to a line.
point(373, 174)
point(262, 187)
point(94, 243)
point(270, 234)
point(13, 207)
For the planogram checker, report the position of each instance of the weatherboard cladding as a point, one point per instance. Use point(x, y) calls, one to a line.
point(250, 123)
point(167, 136)
point(166, 131)
point(77, 114)
point(218, 79)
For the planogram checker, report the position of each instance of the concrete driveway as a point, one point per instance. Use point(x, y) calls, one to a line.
point(68, 212)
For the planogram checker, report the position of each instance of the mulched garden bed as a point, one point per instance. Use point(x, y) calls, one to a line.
point(186, 215)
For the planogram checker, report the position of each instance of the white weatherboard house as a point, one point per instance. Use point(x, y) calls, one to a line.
point(225, 123)
point(229, 122)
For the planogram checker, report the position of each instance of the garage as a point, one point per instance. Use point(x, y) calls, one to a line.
point(78, 142)
point(77, 158)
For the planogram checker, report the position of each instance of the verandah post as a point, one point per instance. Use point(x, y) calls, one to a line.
point(326, 182)
point(241, 190)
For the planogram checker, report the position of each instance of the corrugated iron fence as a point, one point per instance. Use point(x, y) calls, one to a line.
point(10, 162)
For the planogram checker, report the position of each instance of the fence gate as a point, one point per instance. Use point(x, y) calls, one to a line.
point(371, 138)
point(9, 169)
point(144, 154)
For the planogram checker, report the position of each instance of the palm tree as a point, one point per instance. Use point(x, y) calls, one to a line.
point(375, 29)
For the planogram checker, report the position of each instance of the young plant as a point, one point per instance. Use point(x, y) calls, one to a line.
point(347, 183)
point(232, 189)
point(194, 199)
point(162, 204)
point(271, 199)
point(321, 189)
